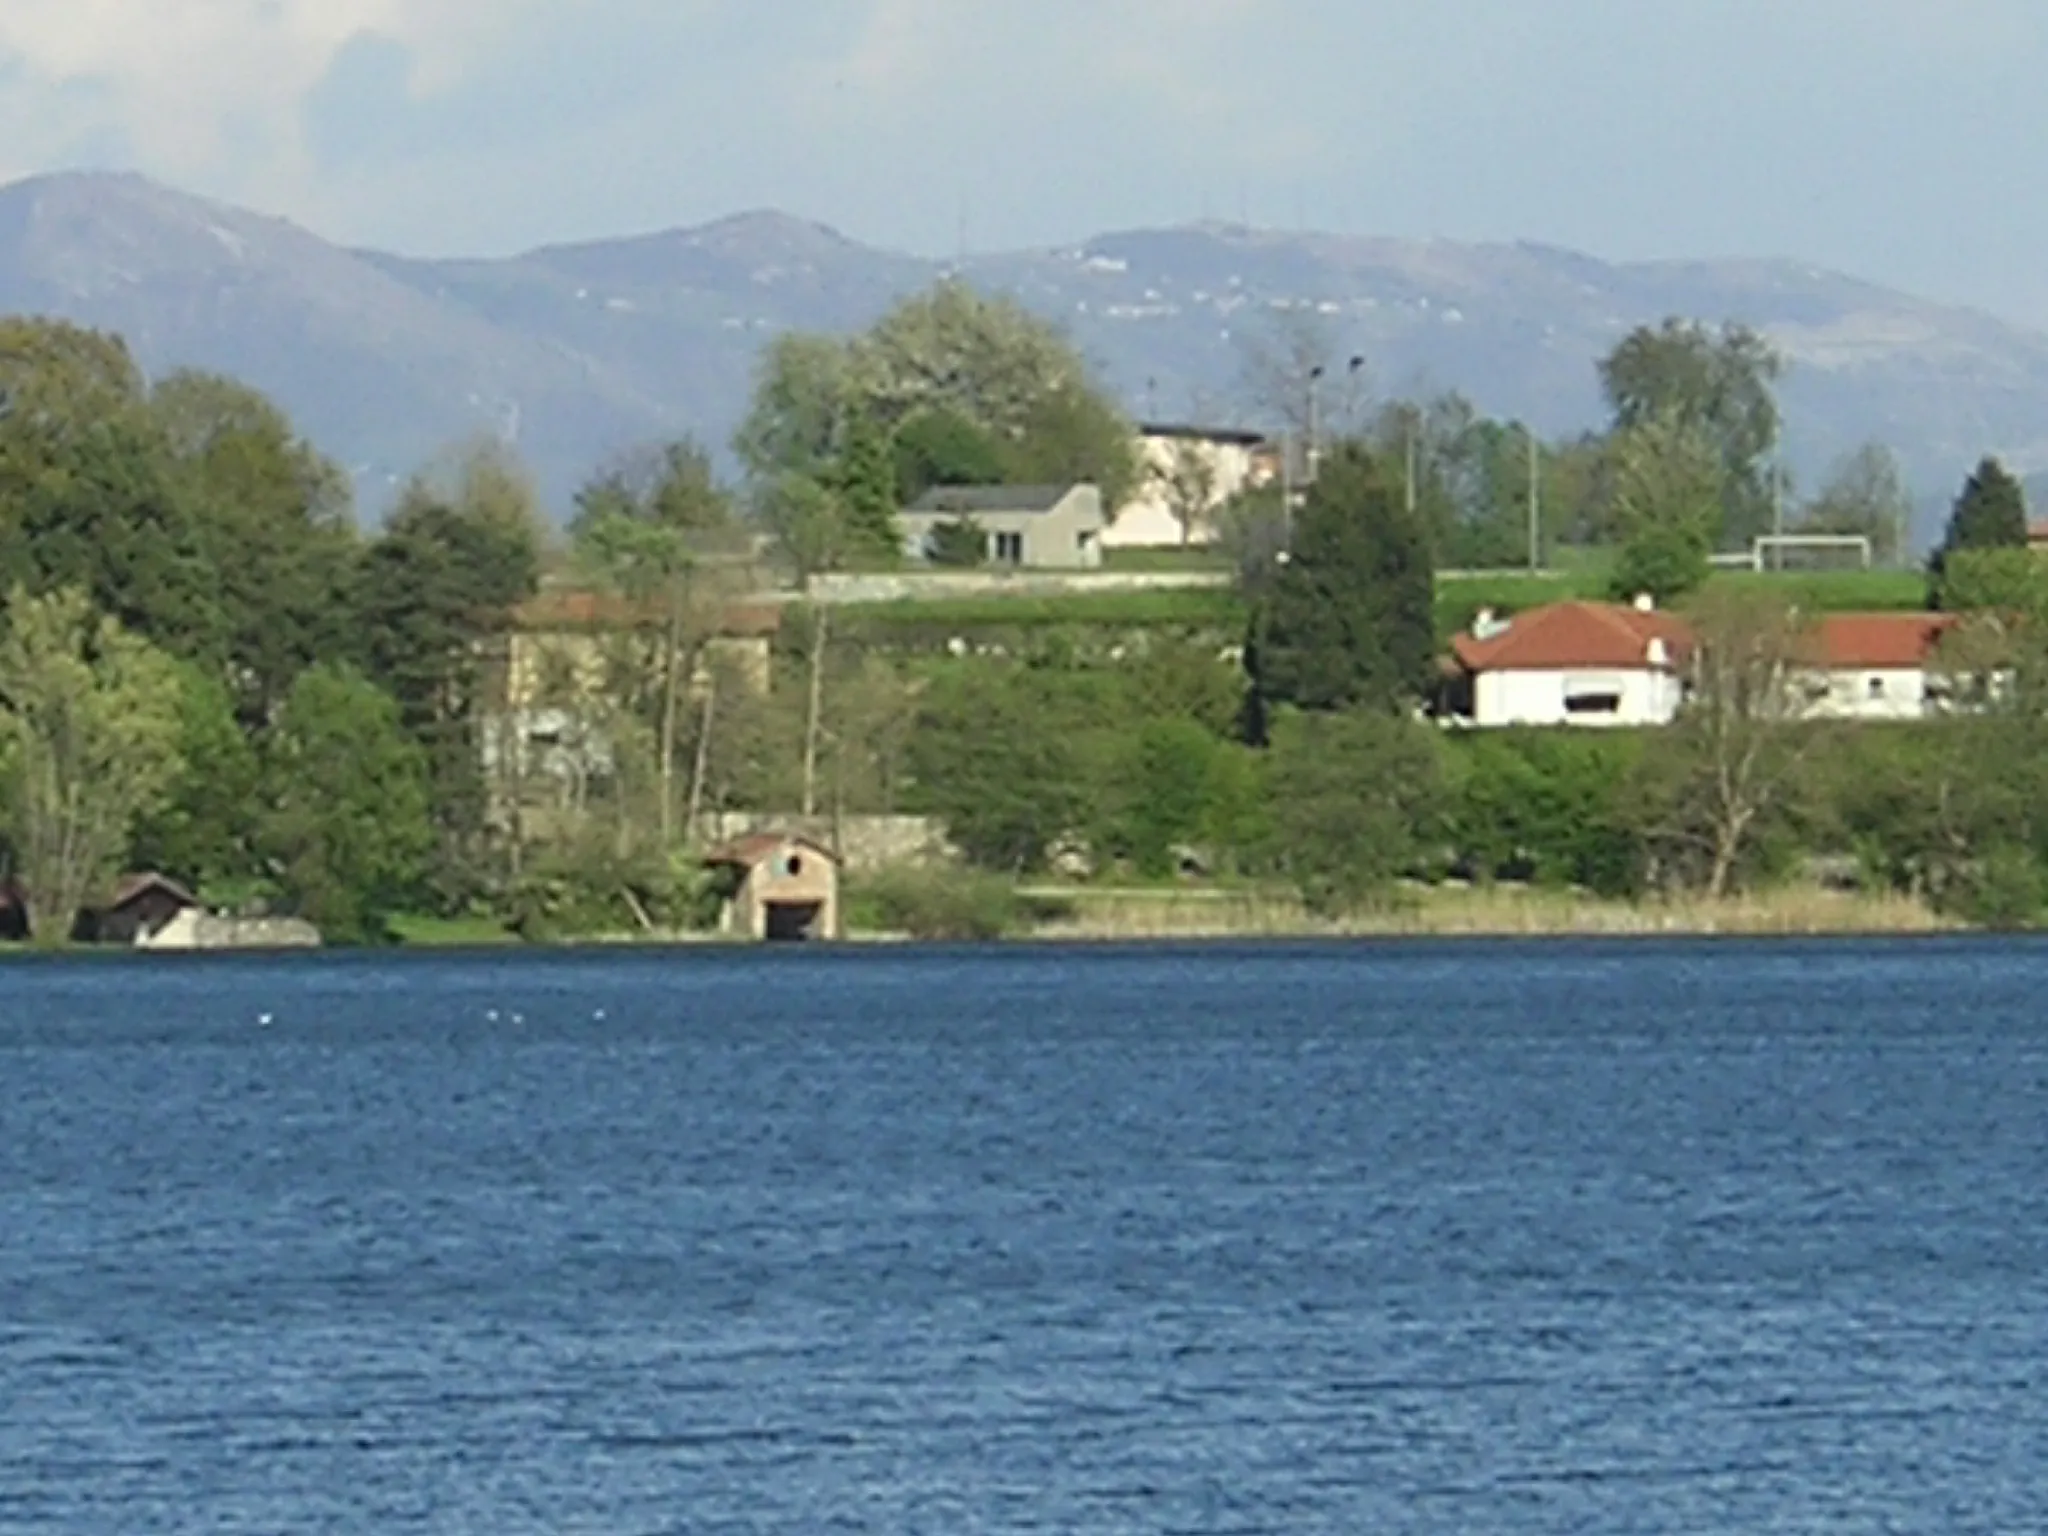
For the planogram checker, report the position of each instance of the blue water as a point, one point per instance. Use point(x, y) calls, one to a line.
point(1688, 1238)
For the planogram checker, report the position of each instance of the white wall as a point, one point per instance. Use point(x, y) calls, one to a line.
point(1539, 698)
point(1146, 521)
point(1868, 693)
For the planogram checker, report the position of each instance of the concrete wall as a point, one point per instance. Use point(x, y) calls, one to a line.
point(195, 930)
point(1539, 698)
point(864, 843)
point(930, 585)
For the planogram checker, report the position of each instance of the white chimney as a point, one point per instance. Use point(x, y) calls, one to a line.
point(1645, 603)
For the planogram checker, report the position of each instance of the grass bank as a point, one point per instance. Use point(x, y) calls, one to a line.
point(1479, 911)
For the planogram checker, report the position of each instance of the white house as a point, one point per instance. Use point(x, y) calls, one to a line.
point(1187, 469)
point(1590, 664)
point(1604, 664)
point(1875, 666)
point(1031, 527)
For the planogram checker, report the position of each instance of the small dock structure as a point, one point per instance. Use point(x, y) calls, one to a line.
point(778, 889)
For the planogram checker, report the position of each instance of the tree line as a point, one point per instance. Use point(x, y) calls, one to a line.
point(208, 668)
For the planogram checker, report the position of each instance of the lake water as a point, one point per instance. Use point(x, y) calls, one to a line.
point(1458, 1238)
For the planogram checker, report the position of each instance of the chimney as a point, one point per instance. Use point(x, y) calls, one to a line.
point(1645, 603)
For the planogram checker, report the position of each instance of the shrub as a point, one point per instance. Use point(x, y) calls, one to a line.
point(947, 905)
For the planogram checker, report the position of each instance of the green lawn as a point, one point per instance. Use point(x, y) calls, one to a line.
point(1133, 610)
point(1837, 591)
point(1191, 559)
point(416, 931)
point(1459, 597)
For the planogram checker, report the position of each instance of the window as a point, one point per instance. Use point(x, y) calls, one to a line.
point(1592, 695)
point(1877, 687)
point(1009, 549)
point(1592, 704)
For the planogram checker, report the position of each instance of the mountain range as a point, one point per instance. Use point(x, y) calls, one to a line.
point(577, 353)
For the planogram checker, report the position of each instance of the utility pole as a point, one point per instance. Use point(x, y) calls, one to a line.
point(1411, 461)
point(1535, 503)
point(1315, 449)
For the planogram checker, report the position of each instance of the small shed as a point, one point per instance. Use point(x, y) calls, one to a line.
point(778, 889)
point(135, 911)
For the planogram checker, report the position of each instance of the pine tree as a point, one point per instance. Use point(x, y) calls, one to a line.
point(1349, 618)
point(1991, 513)
point(866, 483)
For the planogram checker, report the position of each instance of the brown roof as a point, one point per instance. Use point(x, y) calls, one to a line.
point(584, 609)
point(1560, 635)
point(1882, 641)
point(131, 886)
point(746, 852)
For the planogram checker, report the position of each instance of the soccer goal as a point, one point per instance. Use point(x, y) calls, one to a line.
point(1812, 552)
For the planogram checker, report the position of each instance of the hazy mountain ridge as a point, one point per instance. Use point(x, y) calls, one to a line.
point(581, 350)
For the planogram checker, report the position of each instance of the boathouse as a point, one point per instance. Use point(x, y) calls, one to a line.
point(777, 889)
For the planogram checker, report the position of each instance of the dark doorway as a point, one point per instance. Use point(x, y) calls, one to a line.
point(792, 922)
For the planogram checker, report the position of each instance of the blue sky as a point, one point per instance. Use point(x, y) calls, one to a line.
point(1896, 139)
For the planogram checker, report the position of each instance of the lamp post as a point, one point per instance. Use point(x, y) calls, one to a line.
point(1315, 449)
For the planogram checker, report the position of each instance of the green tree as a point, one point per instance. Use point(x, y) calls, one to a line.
point(865, 480)
point(345, 817)
point(1865, 496)
point(949, 352)
point(203, 832)
point(1716, 385)
point(664, 535)
point(817, 533)
point(1667, 507)
point(941, 447)
point(959, 543)
point(2010, 583)
point(1715, 783)
point(274, 525)
point(804, 394)
point(86, 499)
point(1349, 618)
point(1168, 777)
point(1991, 513)
point(1553, 807)
point(1352, 795)
point(436, 591)
point(989, 758)
point(88, 744)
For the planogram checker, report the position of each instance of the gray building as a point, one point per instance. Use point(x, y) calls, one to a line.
point(1027, 527)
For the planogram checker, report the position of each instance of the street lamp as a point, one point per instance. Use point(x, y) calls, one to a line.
point(1315, 451)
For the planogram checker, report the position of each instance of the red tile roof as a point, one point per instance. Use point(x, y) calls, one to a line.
point(1562, 635)
point(1883, 642)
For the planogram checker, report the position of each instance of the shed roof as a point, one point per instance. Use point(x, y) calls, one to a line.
point(991, 498)
point(1562, 635)
point(129, 887)
point(758, 848)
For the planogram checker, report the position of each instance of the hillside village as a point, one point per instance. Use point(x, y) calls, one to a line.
point(967, 652)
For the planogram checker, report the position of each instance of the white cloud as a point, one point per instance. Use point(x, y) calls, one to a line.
point(207, 89)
